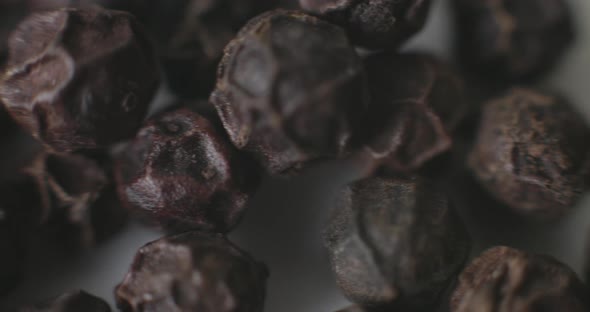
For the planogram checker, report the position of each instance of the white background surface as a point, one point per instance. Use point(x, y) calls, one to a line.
point(284, 223)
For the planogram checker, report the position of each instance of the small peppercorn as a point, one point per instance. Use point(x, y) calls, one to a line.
point(75, 301)
point(512, 40)
point(416, 103)
point(395, 243)
point(290, 90)
point(374, 23)
point(182, 172)
point(79, 78)
point(531, 152)
point(193, 272)
point(503, 279)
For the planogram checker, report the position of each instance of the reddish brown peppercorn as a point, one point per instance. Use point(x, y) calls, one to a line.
point(183, 173)
point(290, 90)
point(503, 279)
point(374, 23)
point(75, 301)
point(531, 152)
point(193, 272)
point(79, 78)
point(416, 103)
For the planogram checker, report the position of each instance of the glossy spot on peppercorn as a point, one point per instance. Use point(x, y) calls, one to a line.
point(79, 78)
point(193, 272)
point(290, 90)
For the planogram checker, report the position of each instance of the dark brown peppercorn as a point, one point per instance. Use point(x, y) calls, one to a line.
point(290, 90)
point(193, 272)
point(183, 173)
point(79, 78)
point(374, 23)
point(531, 152)
point(503, 279)
point(416, 103)
point(76, 301)
point(395, 243)
point(512, 40)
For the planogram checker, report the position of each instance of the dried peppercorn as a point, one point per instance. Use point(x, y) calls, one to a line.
point(193, 272)
point(531, 153)
point(512, 40)
point(182, 172)
point(75, 301)
point(416, 103)
point(290, 90)
point(504, 279)
point(395, 243)
point(79, 78)
point(374, 23)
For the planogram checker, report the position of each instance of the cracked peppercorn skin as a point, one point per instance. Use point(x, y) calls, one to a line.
point(505, 40)
point(374, 24)
point(193, 272)
point(182, 172)
point(79, 78)
point(290, 90)
point(504, 279)
point(531, 153)
point(395, 243)
point(416, 103)
point(75, 301)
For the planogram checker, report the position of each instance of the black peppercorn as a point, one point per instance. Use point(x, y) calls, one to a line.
point(75, 301)
point(503, 279)
point(290, 90)
point(182, 172)
point(416, 104)
point(79, 78)
point(531, 152)
point(193, 272)
point(395, 243)
point(507, 40)
point(374, 23)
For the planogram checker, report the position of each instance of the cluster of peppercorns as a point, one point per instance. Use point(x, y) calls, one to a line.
point(291, 89)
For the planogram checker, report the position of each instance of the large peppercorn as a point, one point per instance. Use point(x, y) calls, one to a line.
point(75, 301)
point(531, 152)
point(416, 103)
point(290, 90)
point(79, 78)
point(193, 272)
point(182, 172)
point(395, 243)
point(512, 40)
point(374, 23)
point(503, 279)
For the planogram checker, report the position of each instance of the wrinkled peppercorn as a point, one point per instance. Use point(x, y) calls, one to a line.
point(75, 301)
point(416, 103)
point(290, 90)
point(503, 279)
point(512, 40)
point(531, 152)
point(182, 172)
point(374, 23)
point(79, 78)
point(193, 272)
point(395, 243)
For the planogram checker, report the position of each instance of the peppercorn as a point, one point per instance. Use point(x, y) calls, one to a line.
point(75, 301)
point(504, 279)
point(182, 172)
point(79, 78)
point(395, 243)
point(290, 90)
point(506, 40)
point(416, 103)
point(531, 153)
point(374, 24)
point(193, 272)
